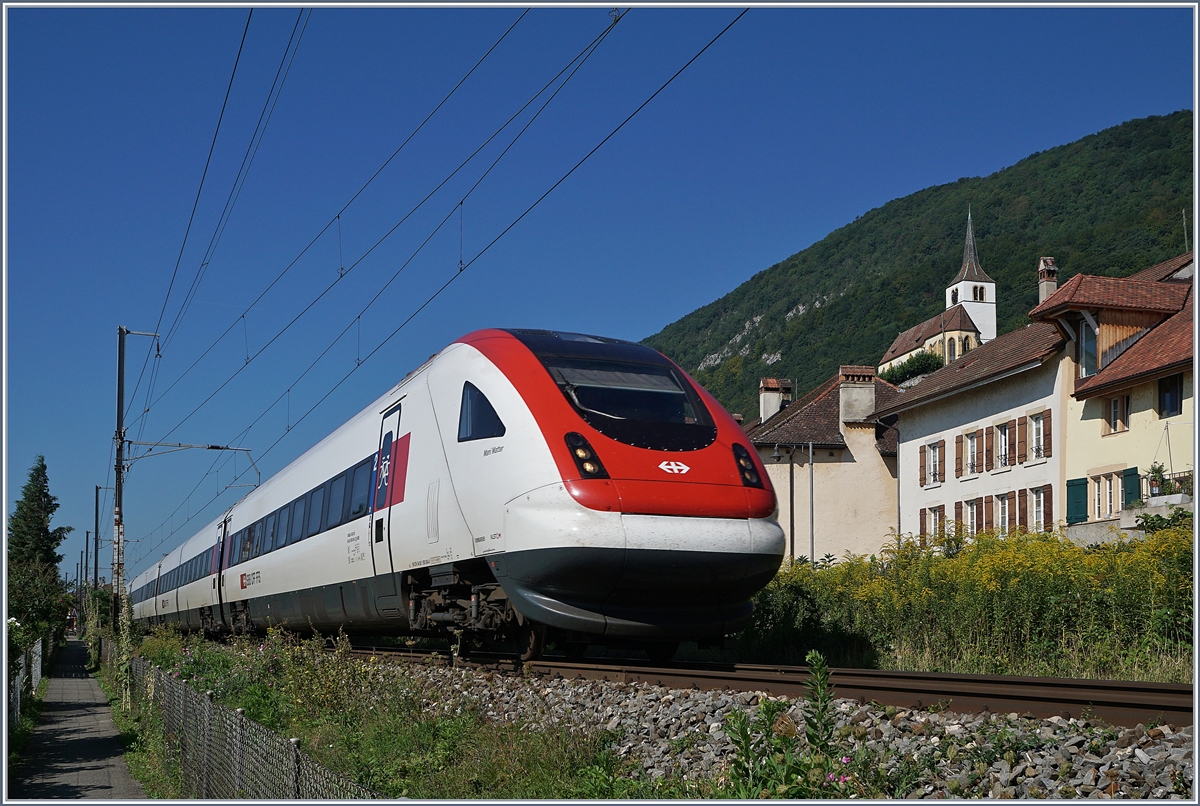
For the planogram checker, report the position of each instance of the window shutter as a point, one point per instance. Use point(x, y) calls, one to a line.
point(1012, 508)
point(922, 482)
point(1048, 506)
point(1077, 501)
point(922, 522)
point(1022, 506)
point(989, 445)
point(1012, 442)
point(958, 463)
point(1131, 485)
point(987, 514)
point(957, 515)
point(1047, 436)
point(941, 460)
point(941, 511)
point(1021, 440)
point(978, 514)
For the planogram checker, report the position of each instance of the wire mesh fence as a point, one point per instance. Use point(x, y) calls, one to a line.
point(24, 683)
point(223, 755)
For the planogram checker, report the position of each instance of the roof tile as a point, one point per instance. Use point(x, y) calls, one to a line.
point(1113, 293)
point(955, 318)
point(1168, 346)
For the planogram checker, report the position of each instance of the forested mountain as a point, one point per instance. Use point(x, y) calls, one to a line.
point(1107, 204)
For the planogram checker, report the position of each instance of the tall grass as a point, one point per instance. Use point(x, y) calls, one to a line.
point(371, 722)
point(1025, 604)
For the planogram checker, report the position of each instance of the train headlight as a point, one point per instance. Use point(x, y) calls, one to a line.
point(746, 468)
point(590, 466)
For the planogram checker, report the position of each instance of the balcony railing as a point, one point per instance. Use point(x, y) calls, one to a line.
point(1036, 451)
point(971, 467)
point(1168, 484)
point(1002, 459)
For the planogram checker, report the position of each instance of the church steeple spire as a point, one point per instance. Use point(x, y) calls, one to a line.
point(971, 270)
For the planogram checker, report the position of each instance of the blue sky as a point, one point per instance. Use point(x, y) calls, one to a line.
point(792, 124)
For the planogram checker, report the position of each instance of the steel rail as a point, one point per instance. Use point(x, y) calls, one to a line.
point(1120, 703)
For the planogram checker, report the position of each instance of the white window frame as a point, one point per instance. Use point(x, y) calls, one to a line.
point(1114, 414)
point(1002, 513)
point(1036, 447)
point(1096, 496)
point(972, 518)
point(933, 520)
point(1039, 512)
point(931, 464)
point(1002, 445)
point(972, 455)
point(1108, 488)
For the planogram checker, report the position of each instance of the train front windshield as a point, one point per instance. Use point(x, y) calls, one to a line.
point(623, 391)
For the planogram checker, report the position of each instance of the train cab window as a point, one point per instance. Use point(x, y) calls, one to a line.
point(337, 497)
point(360, 490)
point(644, 405)
point(476, 417)
point(281, 527)
point(316, 499)
point(298, 510)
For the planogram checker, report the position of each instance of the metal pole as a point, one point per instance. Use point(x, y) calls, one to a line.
point(812, 502)
point(792, 502)
point(87, 546)
point(119, 483)
point(96, 573)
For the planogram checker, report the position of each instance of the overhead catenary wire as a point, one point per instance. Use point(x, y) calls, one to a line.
point(577, 61)
point(199, 190)
point(483, 251)
point(256, 137)
point(336, 217)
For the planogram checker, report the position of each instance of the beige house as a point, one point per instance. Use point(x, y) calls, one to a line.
point(1130, 406)
point(832, 463)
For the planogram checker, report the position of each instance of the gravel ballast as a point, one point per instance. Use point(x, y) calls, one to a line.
point(680, 732)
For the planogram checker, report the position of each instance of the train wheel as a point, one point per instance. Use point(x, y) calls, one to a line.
point(662, 651)
point(531, 640)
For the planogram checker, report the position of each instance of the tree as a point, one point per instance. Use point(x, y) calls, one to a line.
point(38, 601)
point(30, 538)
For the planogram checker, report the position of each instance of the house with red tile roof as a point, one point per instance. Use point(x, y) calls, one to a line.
point(1059, 421)
point(1129, 414)
point(831, 462)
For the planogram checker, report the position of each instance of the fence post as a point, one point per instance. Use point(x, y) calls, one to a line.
point(208, 701)
point(295, 768)
point(237, 754)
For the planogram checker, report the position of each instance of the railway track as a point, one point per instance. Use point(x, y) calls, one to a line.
point(1117, 702)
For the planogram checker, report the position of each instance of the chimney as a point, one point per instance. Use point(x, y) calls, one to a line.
point(1047, 278)
point(856, 391)
point(773, 393)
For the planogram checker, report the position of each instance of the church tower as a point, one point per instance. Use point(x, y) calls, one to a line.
point(974, 290)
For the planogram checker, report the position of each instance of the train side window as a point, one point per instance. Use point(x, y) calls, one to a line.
point(476, 417)
point(337, 497)
point(281, 527)
point(248, 543)
point(360, 490)
point(269, 533)
point(316, 499)
point(298, 510)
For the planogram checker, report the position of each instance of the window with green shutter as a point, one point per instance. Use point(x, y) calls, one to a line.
point(1077, 490)
point(1131, 486)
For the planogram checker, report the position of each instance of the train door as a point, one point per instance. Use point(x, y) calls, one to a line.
point(218, 592)
point(157, 582)
point(391, 470)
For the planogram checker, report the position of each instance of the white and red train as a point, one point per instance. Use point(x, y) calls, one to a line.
point(519, 482)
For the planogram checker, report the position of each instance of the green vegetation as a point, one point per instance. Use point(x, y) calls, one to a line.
point(1106, 204)
point(916, 364)
point(369, 723)
point(38, 601)
point(150, 759)
point(19, 733)
point(1026, 604)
